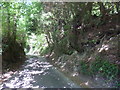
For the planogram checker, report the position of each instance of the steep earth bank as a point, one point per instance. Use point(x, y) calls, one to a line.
point(97, 67)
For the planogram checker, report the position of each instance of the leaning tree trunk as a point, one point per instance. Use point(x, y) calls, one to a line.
point(12, 52)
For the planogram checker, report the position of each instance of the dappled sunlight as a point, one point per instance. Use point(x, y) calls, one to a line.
point(75, 74)
point(104, 47)
point(35, 73)
point(25, 77)
point(35, 44)
point(85, 83)
point(77, 38)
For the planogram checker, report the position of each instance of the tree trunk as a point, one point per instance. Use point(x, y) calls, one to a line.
point(8, 21)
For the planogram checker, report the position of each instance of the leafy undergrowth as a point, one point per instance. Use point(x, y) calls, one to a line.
point(96, 64)
point(104, 68)
point(99, 66)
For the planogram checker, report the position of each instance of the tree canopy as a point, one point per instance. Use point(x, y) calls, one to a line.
point(55, 28)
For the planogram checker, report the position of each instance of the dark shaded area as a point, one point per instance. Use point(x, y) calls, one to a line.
point(13, 54)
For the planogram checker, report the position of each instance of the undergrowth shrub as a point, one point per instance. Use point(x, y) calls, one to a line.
point(100, 66)
point(104, 68)
point(46, 50)
point(84, 68)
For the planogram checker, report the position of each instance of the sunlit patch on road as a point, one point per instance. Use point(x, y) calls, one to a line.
point(36, 73)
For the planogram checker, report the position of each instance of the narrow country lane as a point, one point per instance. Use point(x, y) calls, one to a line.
point(36, 72)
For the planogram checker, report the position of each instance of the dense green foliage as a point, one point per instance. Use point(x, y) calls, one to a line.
point(64, 24)
point(57, 28)
point(84, 68)
point(101, 67)
point(105, 68)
